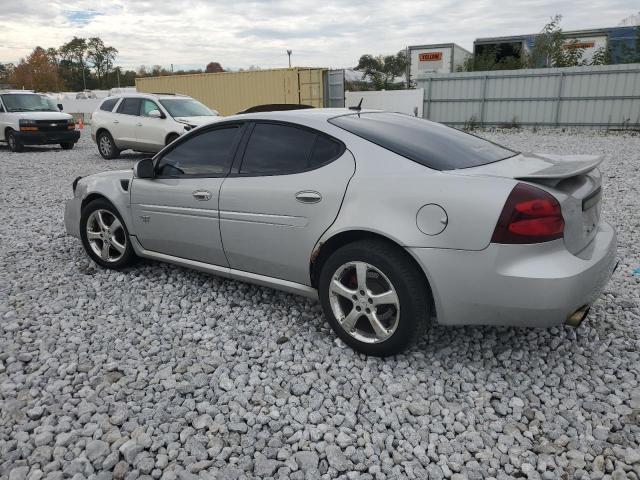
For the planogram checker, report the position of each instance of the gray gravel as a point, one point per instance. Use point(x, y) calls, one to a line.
point(162, 372)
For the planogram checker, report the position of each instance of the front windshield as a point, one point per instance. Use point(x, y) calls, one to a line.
point(185, 107)
point(28, 102)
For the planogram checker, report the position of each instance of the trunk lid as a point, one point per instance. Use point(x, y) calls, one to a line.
point(574, 180)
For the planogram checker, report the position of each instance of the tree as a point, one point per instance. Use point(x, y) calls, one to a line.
point(214, 67)
point(383, 70)
point(73, 63)
point(550, 48)
point(37, 72)
point(6, 72)
point(101, 58)
point(487, 60)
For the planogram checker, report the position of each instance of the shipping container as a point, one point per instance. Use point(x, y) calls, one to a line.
point(441, 58)
point(231, 92)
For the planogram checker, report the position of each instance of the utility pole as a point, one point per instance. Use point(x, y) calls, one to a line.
point(118, 74)
point(289, 52)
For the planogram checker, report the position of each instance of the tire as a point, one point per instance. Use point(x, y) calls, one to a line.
point(388, 270)
point(15, 145)
point(67, 145)
point(106, 146)
point(119, 251)
point(172, 137)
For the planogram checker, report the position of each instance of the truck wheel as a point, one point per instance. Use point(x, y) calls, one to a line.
point(15, 145)
point(106, 146)
point(67, 145)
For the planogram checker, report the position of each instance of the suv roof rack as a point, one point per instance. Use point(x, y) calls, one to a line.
point(167, 93)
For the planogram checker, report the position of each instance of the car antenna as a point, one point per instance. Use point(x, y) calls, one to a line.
point(358, 107)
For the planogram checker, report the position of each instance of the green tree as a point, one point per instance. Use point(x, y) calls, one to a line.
point(488, 61)
point(73, 63)
point(383, 70)
point(101, 58)
point(551, 49)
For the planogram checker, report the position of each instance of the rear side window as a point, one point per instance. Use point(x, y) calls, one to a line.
point(431, 144)
point(108, 104)
point(276, 149)
point(129, 106)
point(206, 154)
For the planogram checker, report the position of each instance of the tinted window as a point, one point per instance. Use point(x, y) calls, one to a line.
point(431, 144)
point(281, 149)
point(147, 106)
point(129, 106)
point(185, 107)
point(209, 153)
point(108, 105)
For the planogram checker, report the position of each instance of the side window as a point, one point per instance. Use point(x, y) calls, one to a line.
point(129, 106)
point(282, 149)
point(209, 153)
point(147, 106)
point(108, 104)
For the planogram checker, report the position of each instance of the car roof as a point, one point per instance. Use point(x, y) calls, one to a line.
point(158, 96)
point(302, 115)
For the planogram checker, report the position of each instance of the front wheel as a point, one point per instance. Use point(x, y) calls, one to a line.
point(15, 145)
point(375, 297)
point(67, 145)
point(105, 236)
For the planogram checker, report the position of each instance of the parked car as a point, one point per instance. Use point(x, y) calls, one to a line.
point(28, 118)
point(390, 220)
point(145, 122)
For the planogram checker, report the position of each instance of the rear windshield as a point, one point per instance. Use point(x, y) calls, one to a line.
point(431, 144)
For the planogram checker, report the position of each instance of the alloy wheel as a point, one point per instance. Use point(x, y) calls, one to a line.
point(106, 235)
point(105, 145)
point(364, 302)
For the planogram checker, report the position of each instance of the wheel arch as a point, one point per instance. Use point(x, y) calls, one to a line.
point(324, 249)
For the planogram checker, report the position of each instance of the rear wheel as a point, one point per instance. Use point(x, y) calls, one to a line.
point(67, 145)
point(15, 145)
point(106, 146)
point(105, 236)
point(374, 296)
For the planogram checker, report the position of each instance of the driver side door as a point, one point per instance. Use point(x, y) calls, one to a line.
point(176, 212)
point(150, 131)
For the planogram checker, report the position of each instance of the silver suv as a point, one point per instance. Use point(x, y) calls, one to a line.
point(145, 122)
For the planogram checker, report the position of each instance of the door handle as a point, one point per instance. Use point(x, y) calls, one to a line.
point(308, 196)
point(202, 195)
point(116, 121)
point(139, 124)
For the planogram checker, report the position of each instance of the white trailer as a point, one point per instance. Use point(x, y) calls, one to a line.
point(425, 60)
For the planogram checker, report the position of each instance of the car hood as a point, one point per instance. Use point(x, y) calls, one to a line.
point(197, 121)
point(42, 115)
point(536, 166)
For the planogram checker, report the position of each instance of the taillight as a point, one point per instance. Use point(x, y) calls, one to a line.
point(530, 215)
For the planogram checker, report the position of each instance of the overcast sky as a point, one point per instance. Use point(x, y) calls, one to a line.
point(240, 33)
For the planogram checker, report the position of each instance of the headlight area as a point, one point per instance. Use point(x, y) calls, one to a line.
point(27, 125)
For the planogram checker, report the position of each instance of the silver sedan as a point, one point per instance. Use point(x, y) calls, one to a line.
point(392, 222)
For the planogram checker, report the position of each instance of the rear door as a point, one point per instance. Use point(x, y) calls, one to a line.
point(176, 213)
point(124, 123)
point(151, 131)
point(284, 192)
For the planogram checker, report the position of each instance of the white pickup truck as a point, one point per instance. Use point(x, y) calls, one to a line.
point(28, 118)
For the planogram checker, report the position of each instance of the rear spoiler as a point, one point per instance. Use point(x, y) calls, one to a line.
point(562, 168)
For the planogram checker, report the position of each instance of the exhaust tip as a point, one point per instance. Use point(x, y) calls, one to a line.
point(577, 317)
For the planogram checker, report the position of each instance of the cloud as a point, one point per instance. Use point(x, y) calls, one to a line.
point(332, 33)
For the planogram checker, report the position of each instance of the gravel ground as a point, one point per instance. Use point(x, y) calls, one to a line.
point(162, 372)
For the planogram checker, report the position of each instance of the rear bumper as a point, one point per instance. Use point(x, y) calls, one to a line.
point(518, 285)
point(72, 217)
point(47, 138)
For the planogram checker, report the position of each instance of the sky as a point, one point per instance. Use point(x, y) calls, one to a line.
point(241, 33)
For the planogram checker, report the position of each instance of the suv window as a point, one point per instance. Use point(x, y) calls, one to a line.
point(108, 104)
point(275, 149)
point(147, 106)
point(429, 143)
point(129, 106)
point(208, 153)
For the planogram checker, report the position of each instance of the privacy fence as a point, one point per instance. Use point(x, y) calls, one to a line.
point(599, 96)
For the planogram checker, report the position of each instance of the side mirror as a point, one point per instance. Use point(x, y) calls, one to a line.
point(155, 114)
point(60, 106)
point(144, 168)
